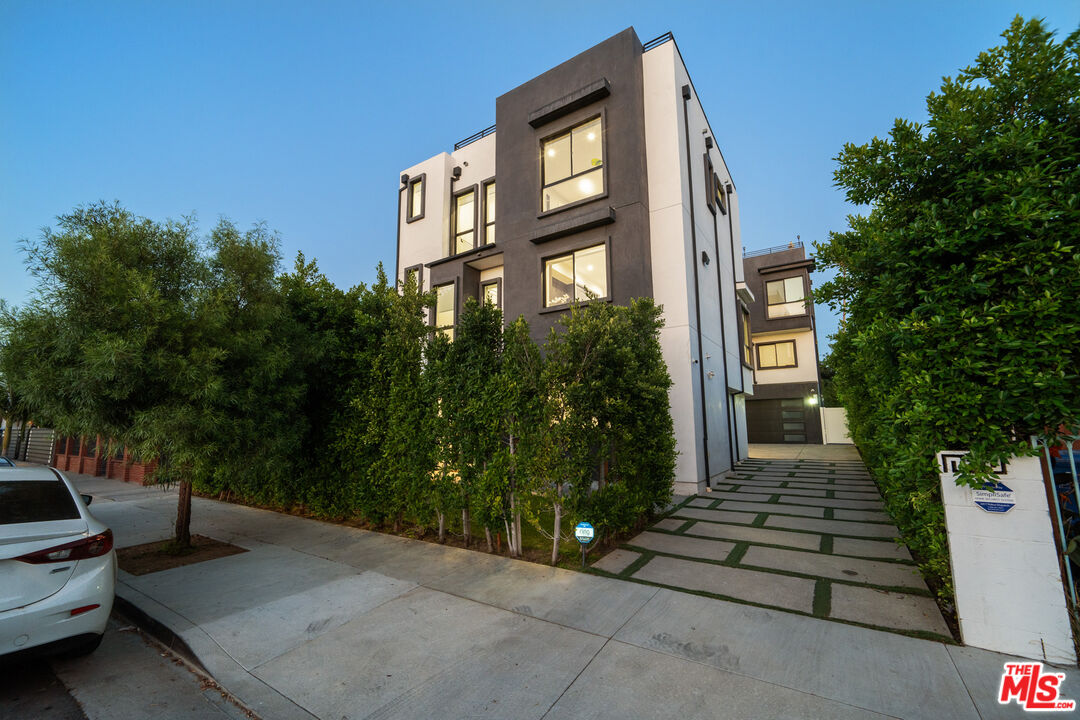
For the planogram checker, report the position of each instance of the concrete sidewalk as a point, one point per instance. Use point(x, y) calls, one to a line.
point(322, 620)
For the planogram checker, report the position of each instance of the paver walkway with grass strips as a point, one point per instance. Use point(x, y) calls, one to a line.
point(806, 536)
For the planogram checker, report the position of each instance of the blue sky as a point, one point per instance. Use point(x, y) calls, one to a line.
point(302, 114)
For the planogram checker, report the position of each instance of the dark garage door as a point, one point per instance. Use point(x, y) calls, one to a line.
point(786, 420)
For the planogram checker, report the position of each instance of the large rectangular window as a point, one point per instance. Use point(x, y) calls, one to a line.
point(785, 297)
point(573, 165)
point(489, 212)
point(576, 277)
point(445, 296)
point(464, 222)
point(776, 355)
point(415, 199)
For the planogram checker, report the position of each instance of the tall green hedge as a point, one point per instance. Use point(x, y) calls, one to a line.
point(961, 285)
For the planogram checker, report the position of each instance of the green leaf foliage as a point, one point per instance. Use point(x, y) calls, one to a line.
point(960, 285)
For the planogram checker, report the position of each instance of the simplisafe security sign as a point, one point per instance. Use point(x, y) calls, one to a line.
point(994, 497)
point(584, 533)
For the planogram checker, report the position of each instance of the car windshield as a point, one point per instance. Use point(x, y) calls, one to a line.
point(4, 462)
point(24, 501)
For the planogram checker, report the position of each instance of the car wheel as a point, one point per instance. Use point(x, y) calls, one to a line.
point(85, 648)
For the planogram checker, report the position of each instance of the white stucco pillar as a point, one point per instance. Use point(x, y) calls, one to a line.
point(1006, 575)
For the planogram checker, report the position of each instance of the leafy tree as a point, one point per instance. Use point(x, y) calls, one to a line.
point(117, 341)
point(605, 445)
point(960, 285)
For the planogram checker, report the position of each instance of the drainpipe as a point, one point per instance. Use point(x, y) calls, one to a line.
point(397, 254)
point(728, 190)
point(697, 298)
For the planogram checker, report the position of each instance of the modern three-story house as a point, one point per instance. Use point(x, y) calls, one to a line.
point(601, 180)
point(786, 406)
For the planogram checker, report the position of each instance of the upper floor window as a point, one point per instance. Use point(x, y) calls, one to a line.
point(719, 196)
point(573, 165)
point(776, 355)
point(576, 276)
point(747, 354)
point(464, 222)
point(415, 199)
point(785, 297)
point(445, 310)
point(489, 212)
point(415, 275)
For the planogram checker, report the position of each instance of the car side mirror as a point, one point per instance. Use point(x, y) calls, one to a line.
point(87, 499)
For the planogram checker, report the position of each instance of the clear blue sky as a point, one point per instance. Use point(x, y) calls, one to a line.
point(302, 114)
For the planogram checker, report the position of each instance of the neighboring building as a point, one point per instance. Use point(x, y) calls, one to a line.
point(787, 386)
point(609, 184)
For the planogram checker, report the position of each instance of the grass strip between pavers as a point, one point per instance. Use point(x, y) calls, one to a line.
point(822, 598)
point(826, 544)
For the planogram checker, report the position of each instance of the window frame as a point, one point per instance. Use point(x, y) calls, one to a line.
point(794, 355)
point(410, 215)
point(746, 336)
point(483, 210)
point(419, 268)
point(806, 310)
point(544, 307)
point(435, 327)
point(568, 130)
point(474, 189)
point(497, 282)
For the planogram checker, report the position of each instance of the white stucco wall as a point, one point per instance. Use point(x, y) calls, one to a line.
point(1009, 593)
point(673, 263)
point(806, 371)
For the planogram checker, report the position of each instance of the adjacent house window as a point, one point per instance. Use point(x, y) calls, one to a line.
point(464, 222)
point(489, 292)
point(576, 277)
point(489, 212)
point(573, 165)
point(415, 199)
point(719, 196)
point(445, 311)
point(415, 275)
point(785, 297)
point(776, 355)
point(747, 350)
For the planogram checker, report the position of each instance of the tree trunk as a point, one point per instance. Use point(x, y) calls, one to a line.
point(555, 534)
point(487, 536)
point(466, 526)
point(517, 535)
point(442, 525)
point(7, 437)
point(183, 515)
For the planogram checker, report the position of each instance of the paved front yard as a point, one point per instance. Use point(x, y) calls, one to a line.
point(803, 535)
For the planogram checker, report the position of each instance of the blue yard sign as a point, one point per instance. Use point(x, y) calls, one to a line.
point(584, 533)
point(995, 497)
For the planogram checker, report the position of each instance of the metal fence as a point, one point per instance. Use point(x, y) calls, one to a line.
point(1061, 466)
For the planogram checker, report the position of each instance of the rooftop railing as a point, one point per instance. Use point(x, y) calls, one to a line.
point(645, 47)
point(777, 248)
point(474, 137)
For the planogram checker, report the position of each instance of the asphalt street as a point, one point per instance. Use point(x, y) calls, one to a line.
point(129, 676)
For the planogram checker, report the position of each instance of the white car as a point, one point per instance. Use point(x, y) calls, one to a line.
point(57, 565)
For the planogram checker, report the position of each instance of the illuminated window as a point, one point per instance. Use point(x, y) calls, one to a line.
point(445, 310)
point(785, 297)
point(776, 355)
point(747, 350)
point(464, 222)
point(573, 165)
point(415, 200)
point(576, 277)
point(489, 212)
point(489, 291)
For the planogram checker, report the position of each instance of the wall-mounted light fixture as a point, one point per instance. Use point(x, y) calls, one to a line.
point(704, 258)
point(708, 143)
point(457, 172)
point(404, 178)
